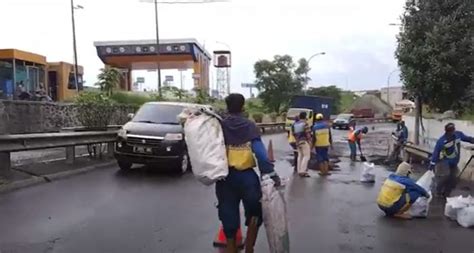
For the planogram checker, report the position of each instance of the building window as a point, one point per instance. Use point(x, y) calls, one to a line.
point(71, 83)
point(7, 88)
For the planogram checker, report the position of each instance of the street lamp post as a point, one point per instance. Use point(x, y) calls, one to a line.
point(388, 85)
point(309, 60)
point(76, 68)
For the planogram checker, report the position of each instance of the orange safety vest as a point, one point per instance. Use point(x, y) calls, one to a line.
point(352, 136)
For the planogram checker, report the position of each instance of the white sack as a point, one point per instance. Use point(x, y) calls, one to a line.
point(426, 181)
point(206, 147)
point(420, 208)
point(455, 204)
point(466, 217)
point(368, 173)
point(274, 217)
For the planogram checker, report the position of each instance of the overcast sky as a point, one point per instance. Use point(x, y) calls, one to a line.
point(355, 34)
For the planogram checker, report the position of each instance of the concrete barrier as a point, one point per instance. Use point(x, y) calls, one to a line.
point(434, 129)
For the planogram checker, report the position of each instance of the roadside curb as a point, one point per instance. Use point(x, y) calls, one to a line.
point(35, 180)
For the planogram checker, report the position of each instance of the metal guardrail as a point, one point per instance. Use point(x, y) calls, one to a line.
point(69, 140)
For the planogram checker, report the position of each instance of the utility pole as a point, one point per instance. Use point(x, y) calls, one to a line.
point(158, 67)
point(76, 68)
point(417, 118)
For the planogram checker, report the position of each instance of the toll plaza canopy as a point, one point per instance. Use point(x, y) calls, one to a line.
point(143, 55)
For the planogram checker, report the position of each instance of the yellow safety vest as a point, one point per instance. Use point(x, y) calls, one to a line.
point(322, 138)
point(240, 157)
point(390, 193)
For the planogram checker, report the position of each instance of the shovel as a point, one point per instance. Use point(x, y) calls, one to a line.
point(362, 157)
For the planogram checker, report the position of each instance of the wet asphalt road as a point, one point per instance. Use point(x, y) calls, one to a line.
point(144, 211)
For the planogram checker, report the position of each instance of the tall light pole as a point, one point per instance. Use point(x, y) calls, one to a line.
point(76, 68)
point(155, 2)
point(388, 85)
point(309, 60)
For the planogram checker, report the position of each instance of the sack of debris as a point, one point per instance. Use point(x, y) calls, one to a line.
point(205, 143)
point(466, 217)
point(368, 173)
point(455, 204)
point(274, 217)
point(420, 208)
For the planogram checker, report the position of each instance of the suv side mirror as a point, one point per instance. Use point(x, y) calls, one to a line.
point(130, 116)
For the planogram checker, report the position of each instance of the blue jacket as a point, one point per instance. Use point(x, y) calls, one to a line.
point(449, 150)
point(415, 191)
point(403, 137)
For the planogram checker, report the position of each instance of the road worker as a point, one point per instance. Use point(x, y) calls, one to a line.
point(354, 140)
point(446, 153)
point(302, 134)
point(322, 142)
point(242, 139)
point(399, 192)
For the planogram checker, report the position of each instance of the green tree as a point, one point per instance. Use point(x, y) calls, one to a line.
point(176, 92)
point(279, 79)
point(435, 52)
point(329, 91)
point(109, 80)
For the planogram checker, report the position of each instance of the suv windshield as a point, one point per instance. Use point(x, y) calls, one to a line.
point(158, 114)
point(344, 116)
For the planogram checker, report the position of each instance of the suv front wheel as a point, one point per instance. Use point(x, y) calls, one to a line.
point(124, 165)
point(184, 164)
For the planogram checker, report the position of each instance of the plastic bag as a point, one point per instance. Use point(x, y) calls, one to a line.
point(455, 204)
point(274, 217)
point(420, 208)
point(205, 142)
point(368, 174)
point(426, 181)
point(466, 217)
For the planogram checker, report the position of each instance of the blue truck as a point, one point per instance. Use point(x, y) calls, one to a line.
point(312, 105)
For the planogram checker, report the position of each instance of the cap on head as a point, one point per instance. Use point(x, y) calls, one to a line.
point(235, 103)
point(449, 128)
point(365, 130)
point(302, 115)
point(404, 169)
point(319, 116)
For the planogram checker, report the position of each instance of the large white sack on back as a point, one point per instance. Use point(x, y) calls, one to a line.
point(206, 147)
point(466, 217)
point(455, 204)
point(368, 173)
point(274, 217)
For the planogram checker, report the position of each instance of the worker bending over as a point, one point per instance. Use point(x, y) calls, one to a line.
point(399, 192)
point(354, 140)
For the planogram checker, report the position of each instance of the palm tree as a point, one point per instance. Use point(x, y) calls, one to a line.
point(109, 79)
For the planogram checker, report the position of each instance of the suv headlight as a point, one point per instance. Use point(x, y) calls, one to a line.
point(173, 137)
point(122, 133)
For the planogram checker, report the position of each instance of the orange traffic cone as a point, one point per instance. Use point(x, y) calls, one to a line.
point(221, 240)
point(270, 152)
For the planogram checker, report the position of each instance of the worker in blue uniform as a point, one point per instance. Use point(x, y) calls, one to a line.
point(446, 153)
point(242, 140)
point(399, 192)
point(322, 141)
point(400, 137)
